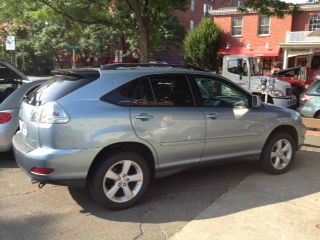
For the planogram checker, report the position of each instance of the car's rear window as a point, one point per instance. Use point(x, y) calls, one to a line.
point(314, 89)
point(6, 88)
point(55, 89)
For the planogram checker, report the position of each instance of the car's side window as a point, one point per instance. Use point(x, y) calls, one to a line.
point(172, 91)
point(216, 93)
point(144, 95)
point(122, 95)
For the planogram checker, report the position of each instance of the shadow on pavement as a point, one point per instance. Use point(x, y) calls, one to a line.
point(7, 160)
point(181, 197)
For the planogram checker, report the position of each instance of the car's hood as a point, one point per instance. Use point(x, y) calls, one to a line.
point(20, 74)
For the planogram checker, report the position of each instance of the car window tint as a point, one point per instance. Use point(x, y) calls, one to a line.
point(54, 89)
point(172, 91)
point(6, 73)
point(218, 94)
point(6, 89)
point(144, 95)
point(122, 95)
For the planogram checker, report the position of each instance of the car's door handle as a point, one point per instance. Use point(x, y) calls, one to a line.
point(213, 115)
point(144, 116)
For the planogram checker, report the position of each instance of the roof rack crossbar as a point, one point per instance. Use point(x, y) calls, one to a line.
point(116, 66)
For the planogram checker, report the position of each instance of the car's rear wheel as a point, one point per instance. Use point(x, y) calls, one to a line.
point(120, 180)
point(278, 153)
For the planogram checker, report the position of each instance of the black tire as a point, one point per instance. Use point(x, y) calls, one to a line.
point(268, 163)
point(317, 115)
point(98, 185)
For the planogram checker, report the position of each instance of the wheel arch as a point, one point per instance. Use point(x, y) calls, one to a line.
point(135, 147)
point(317, 114)
point(292, 131)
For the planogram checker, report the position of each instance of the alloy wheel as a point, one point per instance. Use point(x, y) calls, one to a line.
point(123, 181)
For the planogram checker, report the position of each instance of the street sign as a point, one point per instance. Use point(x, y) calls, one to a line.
point(74, 46)
point(11, 43)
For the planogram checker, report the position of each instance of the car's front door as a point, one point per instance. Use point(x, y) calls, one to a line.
point(165, 114)
point(233, 128)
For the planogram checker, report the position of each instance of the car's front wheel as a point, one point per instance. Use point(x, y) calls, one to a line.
point(278, 153)
point(120, 180)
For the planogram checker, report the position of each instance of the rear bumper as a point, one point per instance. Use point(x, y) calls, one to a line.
point(70, 165)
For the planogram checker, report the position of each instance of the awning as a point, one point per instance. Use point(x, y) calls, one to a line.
point(254, 51)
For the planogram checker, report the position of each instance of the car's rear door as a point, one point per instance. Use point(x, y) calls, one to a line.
point(165, 114)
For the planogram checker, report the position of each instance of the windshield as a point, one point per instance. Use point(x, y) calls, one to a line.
point(256, 66)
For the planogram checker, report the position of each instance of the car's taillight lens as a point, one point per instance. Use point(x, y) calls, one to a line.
point(5, 117)
point(305, 99)
point(42, 171)
point(50, 113)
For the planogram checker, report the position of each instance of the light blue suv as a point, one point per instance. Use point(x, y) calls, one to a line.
point(114, 129)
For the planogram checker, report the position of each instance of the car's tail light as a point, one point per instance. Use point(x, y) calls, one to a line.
point(5, 117)
point(51, 113)
point(42, 171)
point(305, 99)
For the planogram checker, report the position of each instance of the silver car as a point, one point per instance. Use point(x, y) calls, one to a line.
point(10, 80)
point(9, 114)
point(114, 129)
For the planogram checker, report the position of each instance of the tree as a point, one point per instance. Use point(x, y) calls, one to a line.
point(276, 8)
point(201, 45)
point(149, 23)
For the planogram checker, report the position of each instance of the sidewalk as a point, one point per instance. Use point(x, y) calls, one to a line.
point(265, 206)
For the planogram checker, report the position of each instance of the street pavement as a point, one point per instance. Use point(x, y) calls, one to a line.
point(235, 201)
point(267, 207)
point(56, 212)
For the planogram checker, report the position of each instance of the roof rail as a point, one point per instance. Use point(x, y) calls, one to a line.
point(117, 66)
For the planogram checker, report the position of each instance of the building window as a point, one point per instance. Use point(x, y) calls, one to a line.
point(192, 25)
point(264, 25)
point(193, 5)
point(237, 26)
point(314, 23)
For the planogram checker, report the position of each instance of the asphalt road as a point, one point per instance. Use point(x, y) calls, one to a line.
point(56, 212)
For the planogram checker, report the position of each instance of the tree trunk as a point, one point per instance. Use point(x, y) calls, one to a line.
point(144, 46)
point(142, 29)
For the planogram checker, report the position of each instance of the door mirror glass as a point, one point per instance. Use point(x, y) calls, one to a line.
point(256, 101)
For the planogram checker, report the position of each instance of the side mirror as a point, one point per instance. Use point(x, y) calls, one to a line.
point(256, 101)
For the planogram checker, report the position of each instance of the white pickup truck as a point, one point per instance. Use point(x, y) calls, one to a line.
point(247, 72)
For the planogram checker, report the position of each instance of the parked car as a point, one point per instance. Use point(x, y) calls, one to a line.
point(310, 101)
point(10, 79)
point(9, 114)
point(114, 129)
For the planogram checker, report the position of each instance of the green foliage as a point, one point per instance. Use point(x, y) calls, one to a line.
point(201, 44)
point(276, 8)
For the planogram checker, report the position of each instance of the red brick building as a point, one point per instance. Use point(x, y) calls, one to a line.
point(192, 16)
point(268, 37)
point(200, 8)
